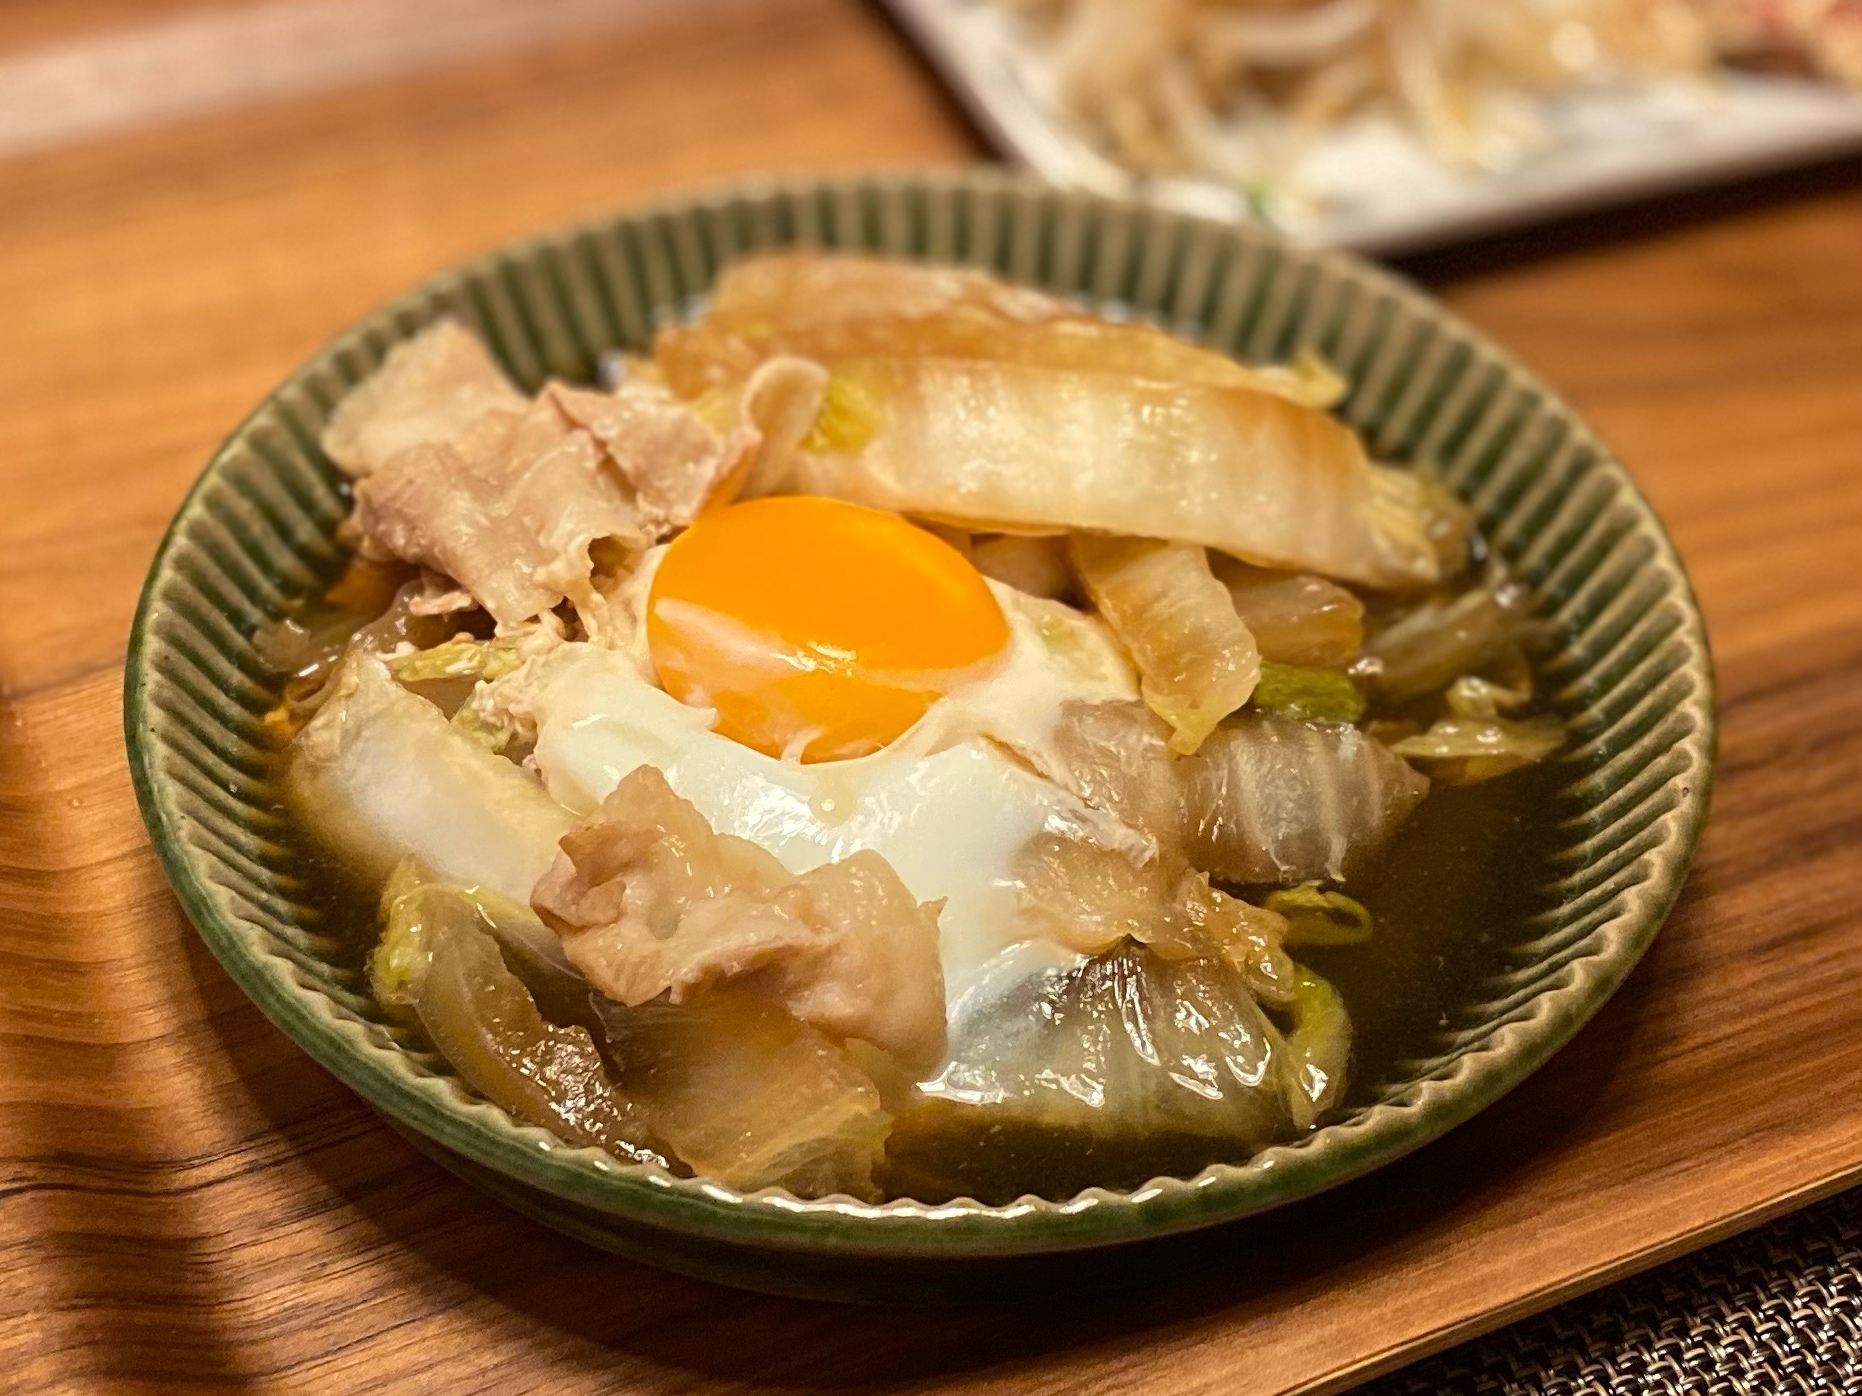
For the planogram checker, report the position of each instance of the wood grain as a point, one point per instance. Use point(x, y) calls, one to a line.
point(206, 59)
point(188, 1203)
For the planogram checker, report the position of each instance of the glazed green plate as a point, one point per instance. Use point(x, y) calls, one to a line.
point(1629, 672)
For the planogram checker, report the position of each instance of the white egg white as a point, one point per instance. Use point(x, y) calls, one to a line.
point(380, 774)
point(949, 805)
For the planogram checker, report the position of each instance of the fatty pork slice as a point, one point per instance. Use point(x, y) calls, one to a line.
point(509, 509)
point(1281, 800)
point(649, 900)
point(458, 471)
point(430, 390)
point(669, 453)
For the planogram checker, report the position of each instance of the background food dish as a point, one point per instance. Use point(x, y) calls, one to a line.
point(1632, 675)
point(1371, 185)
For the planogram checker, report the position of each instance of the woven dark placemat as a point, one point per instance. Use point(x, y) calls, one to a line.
point(1776, 1312)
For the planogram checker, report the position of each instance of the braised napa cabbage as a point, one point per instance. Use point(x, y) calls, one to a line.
point(730, 1085)
point(1133, 1043)
point(1279, 800)
point(1116, 757)
point(1472, 742)
point(1196, 659)
point(1315, 916)
point(959, 397)
point(744, 1092)
point(1442, 638)
point(379, 773)
point(832, 308)
point(439, 958)
point(1266, 799)
point(1243, 471)
point(1296, 618)
point(1324, 695)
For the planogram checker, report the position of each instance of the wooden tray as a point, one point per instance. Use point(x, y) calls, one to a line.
point(190, 1203)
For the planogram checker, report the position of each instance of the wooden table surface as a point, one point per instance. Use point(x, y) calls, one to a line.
point(189, 1203)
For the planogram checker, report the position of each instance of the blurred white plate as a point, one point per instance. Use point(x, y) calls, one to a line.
point(1371, 186)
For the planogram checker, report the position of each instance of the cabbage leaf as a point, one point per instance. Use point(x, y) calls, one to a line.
point(1474, 742)
point(1196, 661)
point(1323, 695)
point(1317, 917)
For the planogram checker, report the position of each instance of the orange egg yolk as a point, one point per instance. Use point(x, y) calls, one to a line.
point(817, 627)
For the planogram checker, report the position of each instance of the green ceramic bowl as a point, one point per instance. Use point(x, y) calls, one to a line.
point(1630, 672)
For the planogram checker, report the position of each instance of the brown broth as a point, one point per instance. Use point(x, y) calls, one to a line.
point(1454, 889)
point(1449, 895)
